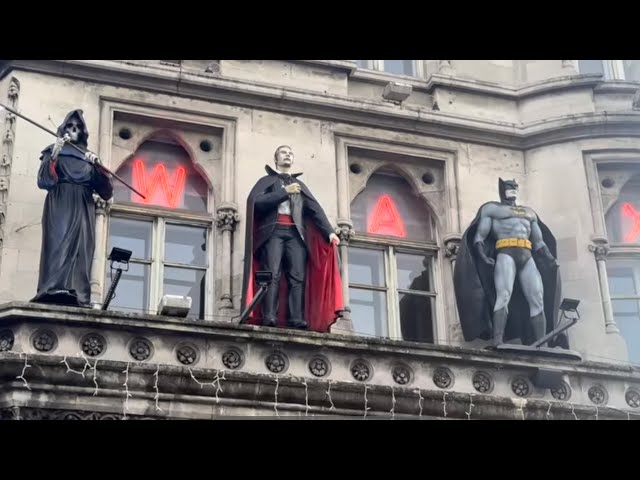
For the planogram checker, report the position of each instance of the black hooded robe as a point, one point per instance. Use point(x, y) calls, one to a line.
point(68, 221)
point(476, 295)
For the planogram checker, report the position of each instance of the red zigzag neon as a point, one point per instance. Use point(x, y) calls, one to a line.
point(159, 178)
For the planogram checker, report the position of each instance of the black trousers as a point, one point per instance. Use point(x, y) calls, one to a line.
point(285, 251)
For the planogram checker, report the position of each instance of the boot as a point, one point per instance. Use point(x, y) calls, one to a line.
point(499, 326)
point(538, 326)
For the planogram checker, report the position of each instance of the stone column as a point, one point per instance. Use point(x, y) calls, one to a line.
point(451, 248)
point(600, 249)
point(100, 252)
point(226, 220)
point(345, 232)
point(6, 151)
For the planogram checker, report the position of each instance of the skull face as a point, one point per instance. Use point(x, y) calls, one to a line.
point(73, 128)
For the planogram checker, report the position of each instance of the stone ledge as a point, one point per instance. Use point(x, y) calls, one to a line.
point(201, 393)
point(60, 336)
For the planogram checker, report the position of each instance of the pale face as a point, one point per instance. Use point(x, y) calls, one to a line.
point(73, 128)
point(511, 194)
point(284, 158)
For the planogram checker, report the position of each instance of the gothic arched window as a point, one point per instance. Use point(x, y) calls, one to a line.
point(391, 286)
point(168, 232)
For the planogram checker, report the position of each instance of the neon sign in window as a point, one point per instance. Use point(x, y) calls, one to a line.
point(385, 219)
point(631, 236)
point(157, 187)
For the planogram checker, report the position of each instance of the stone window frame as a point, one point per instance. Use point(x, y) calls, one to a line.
point(601, 202)
point(443, 206)
point(221, 203)
point(419, 68)
point(613, 69)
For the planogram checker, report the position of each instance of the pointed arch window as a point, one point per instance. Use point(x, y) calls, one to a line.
point(168, 232)
point(623, 266)
point(391, 285)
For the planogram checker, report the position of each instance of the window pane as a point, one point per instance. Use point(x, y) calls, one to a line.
point(591, 66)
point(416, 318)
point(164, 173)
point(366, 267)
point(134, 235)
point(186, 245)
point(187, 282)
point(621, 281)
point(629, 325)
point(414, 272)
point(632, 70)
point(369, 312)
point(132, 293)
point(625, 307)
point(399, 67)
point(362, 63)
point(389, 207)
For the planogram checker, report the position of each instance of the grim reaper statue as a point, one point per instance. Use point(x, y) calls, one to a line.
point(68, 235)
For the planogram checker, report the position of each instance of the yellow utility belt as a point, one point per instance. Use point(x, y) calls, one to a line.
point(513, 242)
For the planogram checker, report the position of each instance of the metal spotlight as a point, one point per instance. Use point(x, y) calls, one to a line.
point(120, 257)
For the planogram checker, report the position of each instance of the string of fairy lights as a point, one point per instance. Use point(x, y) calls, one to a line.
point(217, 383)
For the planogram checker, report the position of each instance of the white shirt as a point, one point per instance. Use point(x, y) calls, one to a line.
point(285, 207)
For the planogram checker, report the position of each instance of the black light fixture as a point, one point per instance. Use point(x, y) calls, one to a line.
point(568, 305)
point(263, 279)
point(119, 257)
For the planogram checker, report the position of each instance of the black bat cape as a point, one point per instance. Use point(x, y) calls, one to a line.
point(476, 294)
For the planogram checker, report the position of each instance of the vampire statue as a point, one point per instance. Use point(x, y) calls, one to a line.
point(506, 276)
point(288, 234)
point(68, 234)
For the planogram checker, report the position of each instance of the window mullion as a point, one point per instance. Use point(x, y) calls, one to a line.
point(392, 294)
point(157, 268)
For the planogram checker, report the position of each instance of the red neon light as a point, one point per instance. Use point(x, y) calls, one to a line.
point(634, 232)
point(167, 196)
point(385, 219)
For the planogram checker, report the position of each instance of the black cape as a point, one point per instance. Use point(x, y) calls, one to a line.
point(476, 295)
point(68, 222)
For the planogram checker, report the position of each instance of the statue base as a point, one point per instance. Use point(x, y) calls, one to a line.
point(550, 353)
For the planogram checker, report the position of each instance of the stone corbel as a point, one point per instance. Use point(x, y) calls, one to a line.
point(227, 217)
point(452, 246)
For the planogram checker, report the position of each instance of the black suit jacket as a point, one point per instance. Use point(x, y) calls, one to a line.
point(269, 193)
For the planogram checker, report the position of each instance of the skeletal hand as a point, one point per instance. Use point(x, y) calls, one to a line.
point(91, 157)
point(293, 188)
point(334, 238)
point(57, 147)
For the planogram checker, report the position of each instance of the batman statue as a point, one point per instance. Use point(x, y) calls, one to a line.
point(506, 277)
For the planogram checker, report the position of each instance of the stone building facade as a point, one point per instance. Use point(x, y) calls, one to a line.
point(420, 140)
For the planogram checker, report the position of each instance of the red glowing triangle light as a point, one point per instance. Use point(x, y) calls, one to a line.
point(156, 187)
point(634, 232)
point(385, 219)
